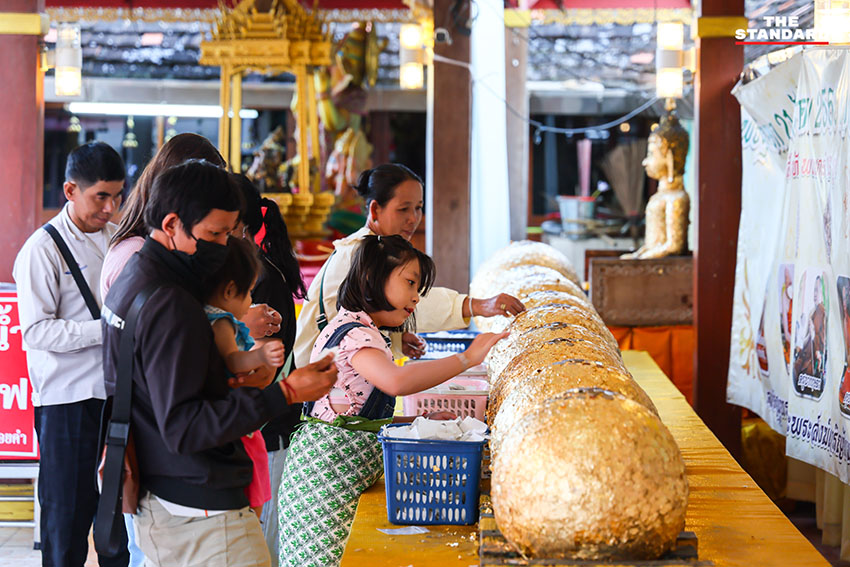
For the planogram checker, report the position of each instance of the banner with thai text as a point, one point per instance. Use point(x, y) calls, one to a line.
point(791, 331)
point(757, 377)
point(17, 434)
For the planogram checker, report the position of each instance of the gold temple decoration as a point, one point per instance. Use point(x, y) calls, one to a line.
point(667, 210)
point(514, 17)
point(420, 10)
point(22, 23)
point(272, 36)
point(208, 15)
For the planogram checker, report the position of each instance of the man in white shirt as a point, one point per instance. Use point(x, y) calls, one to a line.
point(64, 353)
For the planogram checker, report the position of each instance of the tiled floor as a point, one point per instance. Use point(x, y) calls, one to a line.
point(16, 549)
point(803, 517)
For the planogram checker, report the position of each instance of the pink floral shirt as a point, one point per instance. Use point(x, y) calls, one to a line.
point(350, 386)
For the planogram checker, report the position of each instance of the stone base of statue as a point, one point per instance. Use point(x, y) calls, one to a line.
point(643, 293)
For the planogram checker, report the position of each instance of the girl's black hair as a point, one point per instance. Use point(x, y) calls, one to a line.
point(241, 267)
point(379, 183)
point(375, 259)
point(276, 246)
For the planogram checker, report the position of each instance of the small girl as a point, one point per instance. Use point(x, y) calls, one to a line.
point(228, 301)
point(336, 454)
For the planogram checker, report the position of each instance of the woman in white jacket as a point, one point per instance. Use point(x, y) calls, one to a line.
point(393, 195)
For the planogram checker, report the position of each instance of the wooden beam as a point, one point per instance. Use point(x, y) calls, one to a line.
point(380, 136)
point(449, 109)
point(718, 174)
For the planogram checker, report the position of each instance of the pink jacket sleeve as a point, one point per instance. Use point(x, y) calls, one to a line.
point(115, 260)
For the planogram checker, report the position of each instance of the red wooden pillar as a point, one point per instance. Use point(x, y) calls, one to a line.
point(718, 174)
point(21, 137)
point(381, 136)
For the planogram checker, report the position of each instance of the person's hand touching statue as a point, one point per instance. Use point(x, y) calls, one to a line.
point(502, 304)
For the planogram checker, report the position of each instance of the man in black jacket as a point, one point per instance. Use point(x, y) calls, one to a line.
point(186, 420)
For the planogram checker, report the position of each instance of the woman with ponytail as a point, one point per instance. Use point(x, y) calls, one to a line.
point(394, 199)
point(279, 281)
point(131, 233)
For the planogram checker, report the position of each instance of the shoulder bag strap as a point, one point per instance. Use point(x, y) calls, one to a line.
point(91, 303)
point(110, 504)
point(322, 319)
point(334, 340)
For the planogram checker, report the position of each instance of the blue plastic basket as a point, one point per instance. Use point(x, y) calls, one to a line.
point(431, 482)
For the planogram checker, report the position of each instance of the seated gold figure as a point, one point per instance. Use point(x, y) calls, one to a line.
point(667, 210)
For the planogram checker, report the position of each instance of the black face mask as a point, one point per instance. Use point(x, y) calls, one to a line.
point(206, 260)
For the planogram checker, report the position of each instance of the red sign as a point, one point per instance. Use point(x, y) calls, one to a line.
point(17, 432)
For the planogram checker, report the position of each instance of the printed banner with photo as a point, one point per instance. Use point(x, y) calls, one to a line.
point(791, 318)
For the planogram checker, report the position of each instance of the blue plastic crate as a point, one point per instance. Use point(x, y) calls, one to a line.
point(431, 482)
point(446, 343)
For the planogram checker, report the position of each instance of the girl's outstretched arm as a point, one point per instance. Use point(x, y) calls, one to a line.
point(394, 380)
point(240, 362)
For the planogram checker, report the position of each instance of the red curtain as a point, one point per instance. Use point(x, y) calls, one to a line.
point(672, 349)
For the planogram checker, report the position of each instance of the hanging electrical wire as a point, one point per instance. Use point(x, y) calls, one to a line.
point(539, 127)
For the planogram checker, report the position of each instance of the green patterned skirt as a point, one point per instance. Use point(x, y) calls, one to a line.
point(326, 471)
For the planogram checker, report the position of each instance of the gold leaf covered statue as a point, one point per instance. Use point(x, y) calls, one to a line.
point(342, 103)
point(667, 210)
point(267, 160)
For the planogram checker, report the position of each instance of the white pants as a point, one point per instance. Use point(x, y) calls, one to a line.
point(269, 518)
point(231, 539)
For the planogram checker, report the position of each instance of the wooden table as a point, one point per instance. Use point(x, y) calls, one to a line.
point(735, 522)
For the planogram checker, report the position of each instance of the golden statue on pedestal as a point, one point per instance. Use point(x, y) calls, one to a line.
point(264, 170)
point(342, 94)
point(667, 210)
point(274, 36)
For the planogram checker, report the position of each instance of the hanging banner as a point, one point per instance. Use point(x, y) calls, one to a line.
point(757, 374)
point(17, 433)
point(791, 330)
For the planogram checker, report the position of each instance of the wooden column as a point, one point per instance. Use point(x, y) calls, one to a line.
point(516, 59)
point(448, 167)
point(718, 134)
point(380, 136)
point(21, 137)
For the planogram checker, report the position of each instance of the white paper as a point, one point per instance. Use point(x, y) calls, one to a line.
point(332, 351)
point(466, 429)
point(407, 530)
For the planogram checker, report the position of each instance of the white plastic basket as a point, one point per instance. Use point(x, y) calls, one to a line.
point(470, 401)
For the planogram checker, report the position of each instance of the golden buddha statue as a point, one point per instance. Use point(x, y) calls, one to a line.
point(267, 160)
point(667, 210)
point(342, 104)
